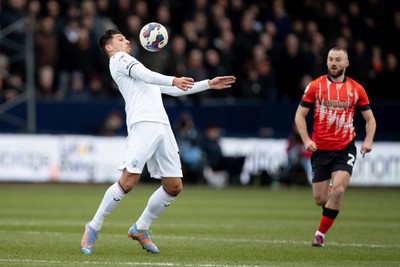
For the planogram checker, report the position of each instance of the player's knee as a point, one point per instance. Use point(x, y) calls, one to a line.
point(128, 181)
point(127, 186)
point(174, 189)
point(320, 200)
point(338, 192)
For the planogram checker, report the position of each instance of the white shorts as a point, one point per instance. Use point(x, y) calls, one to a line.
point(152, 143)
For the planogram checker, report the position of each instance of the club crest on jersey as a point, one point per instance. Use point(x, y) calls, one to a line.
point(123, 59)
point(350, 93)
point(134, 163)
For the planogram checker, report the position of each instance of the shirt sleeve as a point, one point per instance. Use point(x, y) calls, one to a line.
point(130, 66)
point(363, 101)
point(308, 98)
point(175, 91)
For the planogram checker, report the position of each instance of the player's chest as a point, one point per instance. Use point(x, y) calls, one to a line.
point(336, 95)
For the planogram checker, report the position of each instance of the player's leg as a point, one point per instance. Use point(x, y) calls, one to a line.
point(342, 168)
point(321, 169)
point(321, 192)
point(138, 150)
point(340, 182)
point(158, 202)
point(112, 197)
point(165, 164)
point(321, 197)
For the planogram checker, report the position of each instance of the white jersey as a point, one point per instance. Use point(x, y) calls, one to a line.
point(141, 89)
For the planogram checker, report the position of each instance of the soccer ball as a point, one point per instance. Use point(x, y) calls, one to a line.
point(153, 36)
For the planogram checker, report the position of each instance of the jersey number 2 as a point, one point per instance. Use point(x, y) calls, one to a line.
point(351, 160)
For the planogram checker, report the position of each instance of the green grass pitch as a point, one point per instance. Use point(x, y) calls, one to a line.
point(42, 224)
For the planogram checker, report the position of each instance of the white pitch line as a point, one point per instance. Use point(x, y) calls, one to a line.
point(227, 240)
point(91, 263)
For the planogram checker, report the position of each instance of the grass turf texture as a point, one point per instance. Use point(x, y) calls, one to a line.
point(42, 224)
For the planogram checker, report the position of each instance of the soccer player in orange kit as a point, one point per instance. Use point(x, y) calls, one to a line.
point(334, 98)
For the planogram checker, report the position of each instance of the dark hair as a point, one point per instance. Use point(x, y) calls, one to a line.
point(105, 39)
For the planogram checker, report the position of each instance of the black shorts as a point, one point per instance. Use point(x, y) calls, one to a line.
point(324, 162)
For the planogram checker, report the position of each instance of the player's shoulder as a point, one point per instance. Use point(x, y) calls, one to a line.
point(122, 60)
point(353, 82)
point(121, 56)
point(317, 81)
point(355, 86)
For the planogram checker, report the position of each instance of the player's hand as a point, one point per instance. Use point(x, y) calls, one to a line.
point(183, 83)
point(221, 82)
point(310, 146)
point(366, 147)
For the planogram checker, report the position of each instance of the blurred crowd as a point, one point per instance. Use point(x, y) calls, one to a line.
point(273, 47)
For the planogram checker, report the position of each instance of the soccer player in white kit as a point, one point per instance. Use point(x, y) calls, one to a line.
point(150, 138)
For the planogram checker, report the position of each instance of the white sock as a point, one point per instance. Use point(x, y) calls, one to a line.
point(158, 202)
point(111, 198)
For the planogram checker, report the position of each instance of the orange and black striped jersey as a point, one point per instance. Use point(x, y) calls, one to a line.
point(334, 105)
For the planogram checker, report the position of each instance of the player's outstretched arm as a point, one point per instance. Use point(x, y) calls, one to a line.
point(187, 87)
point(221, 82)
point(183, 83)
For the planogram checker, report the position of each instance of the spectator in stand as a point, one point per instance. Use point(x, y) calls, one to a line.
point(46, 88)
point(259, 80)
point(2, 100)
point(34, 11)
point(77, 90)
point(120, 12)
point(96, 88)
point(245, 38)
point(293, 63)
point(298, 168)
point(189, 143)
point(280, 17)
point(213, 63)
point(103, 7)
point(225, 45)
point(112, 125)
point(12, 14)
point(329, 21)
point(133, 27)
point(190, 34)
point(46, 43)
point(215, 158)
point(318, 49)
point(177, 56)
point(361, 62)
point(386, 79)
point(196, 69)
point(4, 67)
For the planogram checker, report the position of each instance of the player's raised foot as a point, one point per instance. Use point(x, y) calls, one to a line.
point(318, 241)
point(143, 237)
point(88, 239)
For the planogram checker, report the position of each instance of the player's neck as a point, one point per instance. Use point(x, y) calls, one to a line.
point(339, 79)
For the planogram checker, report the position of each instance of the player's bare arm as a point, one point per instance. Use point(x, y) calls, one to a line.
point(370, 128)
point(301, 124)
point(183, 83)
point(221, 82)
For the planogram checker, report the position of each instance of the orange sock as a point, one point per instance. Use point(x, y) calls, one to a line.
point(324, 224)
point(328, 216)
